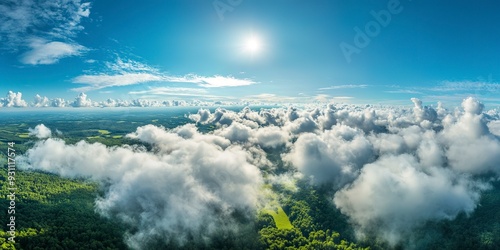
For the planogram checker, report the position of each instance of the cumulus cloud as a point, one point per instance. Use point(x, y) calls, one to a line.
point(13, 100)
point(398, 168)
point(394, 195)
point(58, 102)
point(494, 127)
point(270, 137)
point(40, 131)
point(334, 156)
point(477, 149)
point(186, 188)
point(423, 113)
point(82, 101)
point(41, 101)
point(360, 151)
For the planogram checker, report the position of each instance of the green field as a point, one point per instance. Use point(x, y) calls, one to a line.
point(280, 218)
point(103, 132)
point(23, 135)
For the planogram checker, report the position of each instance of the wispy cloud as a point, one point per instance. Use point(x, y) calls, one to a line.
point(457, 90)
point(328, 98)
point(347, 86)
point(218, 81)
point(171, 91)
point(403, 91)
point(43, 52)
point(466, 86)
point(130, 72)
point(118, 73)
point(44, 30)
point(127, 65)
point(270, 98)
point(101, 81)
point(184, 93)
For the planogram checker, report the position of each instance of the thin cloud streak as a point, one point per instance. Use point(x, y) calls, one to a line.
point(130, 72)
point(347, 86)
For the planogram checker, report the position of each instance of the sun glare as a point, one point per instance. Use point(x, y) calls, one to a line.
point(253, 45)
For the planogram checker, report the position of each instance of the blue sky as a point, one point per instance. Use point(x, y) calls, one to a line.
point(280, 50)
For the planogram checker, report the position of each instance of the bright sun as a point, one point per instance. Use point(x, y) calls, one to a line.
point(253, 45)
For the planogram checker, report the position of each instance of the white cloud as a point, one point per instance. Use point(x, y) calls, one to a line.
point(222, 81)
point(332, 157)
point(477, 150)
point(45, 27)
point(44, 52)
point(347, 86)
point(41, 101)
point(190, 184)
point(270, 137)
point(82, 101)
point(55, 18)
point(494, 127)
point(59, 103)
point(130, 72)
point(403, 91)
point(40, 131)
point(172, 91)
point(454, 86)
point(362, 151)
point(105, 81)
point(273, 99)
point(13, 100)
point(128, 65)
point(394, 195)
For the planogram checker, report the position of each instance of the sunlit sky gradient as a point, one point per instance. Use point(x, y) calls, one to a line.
point(191, 49)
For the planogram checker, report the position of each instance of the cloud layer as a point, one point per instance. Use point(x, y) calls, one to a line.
point(391, 169)
point(15, 100)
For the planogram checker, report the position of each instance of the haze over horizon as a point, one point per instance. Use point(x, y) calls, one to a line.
point(235, 51)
